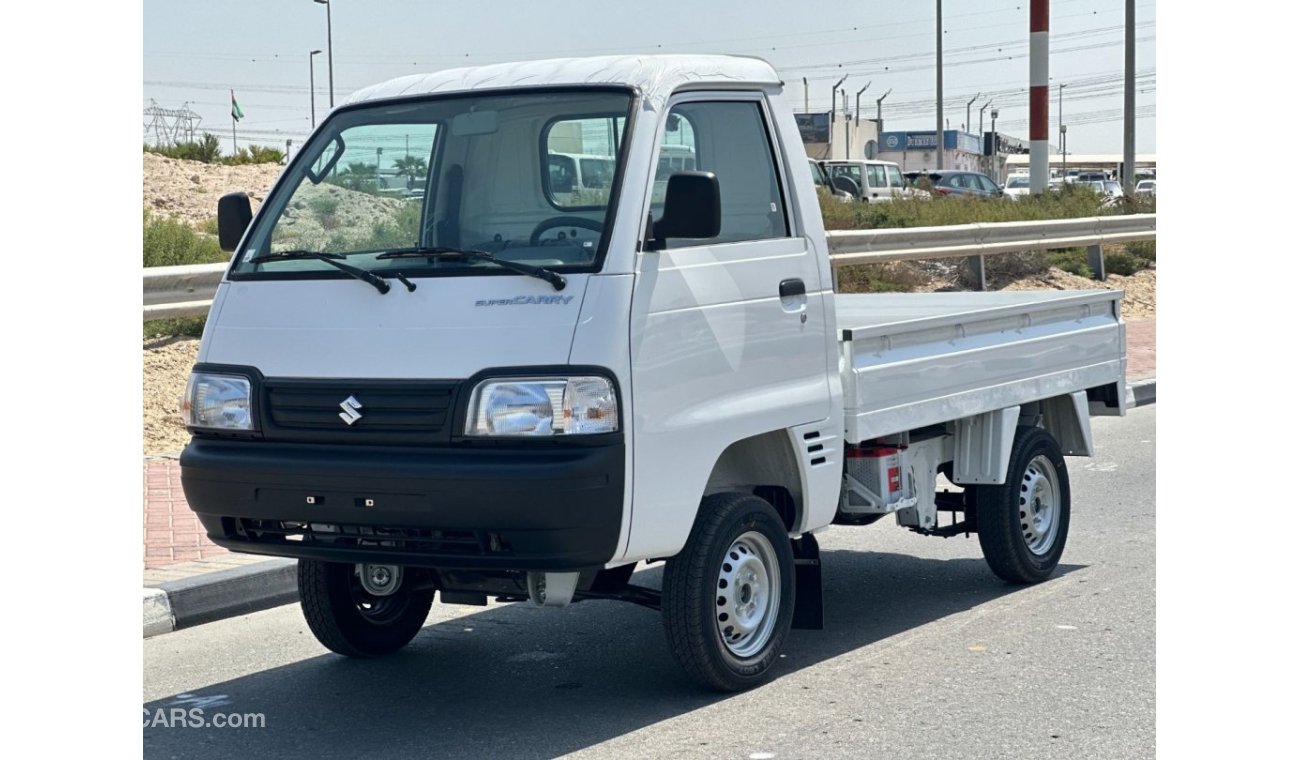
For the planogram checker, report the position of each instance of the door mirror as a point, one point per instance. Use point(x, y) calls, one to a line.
point(692, 209)
point(234, 213)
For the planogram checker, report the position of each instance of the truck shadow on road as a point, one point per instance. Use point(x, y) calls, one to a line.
point(516, 681)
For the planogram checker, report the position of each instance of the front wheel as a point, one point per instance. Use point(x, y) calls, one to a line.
point(1023, 522)
point(728, 597)
point(350, 620)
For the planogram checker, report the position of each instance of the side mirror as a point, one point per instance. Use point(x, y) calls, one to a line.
point(234, 213)
point(692, 209)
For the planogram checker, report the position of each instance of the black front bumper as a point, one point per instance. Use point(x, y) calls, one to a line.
point(516, 508)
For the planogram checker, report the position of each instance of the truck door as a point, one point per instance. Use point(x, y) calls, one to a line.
point(728, 335)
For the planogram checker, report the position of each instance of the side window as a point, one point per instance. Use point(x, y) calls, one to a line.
point(580, 157)
point(895, 176)
point(988, 184)
point(729, 139)
point(876, 175)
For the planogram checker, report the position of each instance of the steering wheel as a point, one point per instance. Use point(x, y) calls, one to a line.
point(563, 221)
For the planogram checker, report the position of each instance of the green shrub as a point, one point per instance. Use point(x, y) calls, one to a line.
point(1072, 260)
point(916, 212)
point(169, 242)
point(1142, 250)
point(1122, 263)
point(324, 207)
point(187, 326)
point(894, 277)
point(208, 150)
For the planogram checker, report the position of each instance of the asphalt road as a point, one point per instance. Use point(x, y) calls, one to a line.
point(925, 654)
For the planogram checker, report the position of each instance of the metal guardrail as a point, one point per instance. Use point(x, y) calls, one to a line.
point(975, 241)
point(183, 291)
point(187, 291)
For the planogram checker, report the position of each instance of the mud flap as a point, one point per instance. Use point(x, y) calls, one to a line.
point(807, 583)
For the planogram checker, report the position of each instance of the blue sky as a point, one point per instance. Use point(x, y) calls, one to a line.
point(196, 52)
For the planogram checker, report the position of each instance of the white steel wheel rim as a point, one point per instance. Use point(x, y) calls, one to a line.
point(748, 594)
point(1040, 506)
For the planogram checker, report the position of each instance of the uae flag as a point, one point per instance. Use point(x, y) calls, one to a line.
point(236, 112)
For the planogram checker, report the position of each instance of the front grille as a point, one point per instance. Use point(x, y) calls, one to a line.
point(466, 543)
point(387, 411)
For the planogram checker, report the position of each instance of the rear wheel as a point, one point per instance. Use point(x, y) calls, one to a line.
point(728, 597)
point(1023, 523)
point(349, 619)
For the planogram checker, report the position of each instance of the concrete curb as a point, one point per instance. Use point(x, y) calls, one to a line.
point(215, 596)
point(1142, 392)
point(208, 597)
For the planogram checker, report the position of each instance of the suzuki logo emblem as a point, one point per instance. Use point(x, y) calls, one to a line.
point(350, 406)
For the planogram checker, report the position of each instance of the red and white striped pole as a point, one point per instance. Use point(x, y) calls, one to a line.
point(1038, 96)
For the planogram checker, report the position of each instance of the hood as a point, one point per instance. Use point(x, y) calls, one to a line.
point(448, 328)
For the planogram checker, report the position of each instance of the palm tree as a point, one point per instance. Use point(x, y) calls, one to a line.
point(359, 176)
point(413, 167)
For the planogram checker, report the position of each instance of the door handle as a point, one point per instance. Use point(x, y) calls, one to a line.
point(792, 287)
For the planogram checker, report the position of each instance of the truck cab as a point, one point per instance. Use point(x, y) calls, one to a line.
point(524, 382)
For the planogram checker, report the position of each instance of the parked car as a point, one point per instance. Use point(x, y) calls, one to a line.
point(1017, 185)
point(1108, 189)
point(822, 181)
point(955, 182)
point(1146, 187)
point(876, 181)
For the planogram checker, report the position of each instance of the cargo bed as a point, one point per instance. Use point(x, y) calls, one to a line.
point(916, 359)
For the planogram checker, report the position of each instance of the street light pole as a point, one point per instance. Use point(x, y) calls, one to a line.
point(938, 85)
point(1130, 97)
point(311, 66)
point(994, 129)
point(329, 44)
point(1060, 119)
point(845, 94)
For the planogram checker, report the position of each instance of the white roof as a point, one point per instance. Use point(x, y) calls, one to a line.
point(657, 76)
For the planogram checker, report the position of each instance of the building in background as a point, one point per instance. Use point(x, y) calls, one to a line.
point(825, 135)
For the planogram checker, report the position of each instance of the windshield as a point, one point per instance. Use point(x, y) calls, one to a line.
point(1018, 182)
point(526, 176)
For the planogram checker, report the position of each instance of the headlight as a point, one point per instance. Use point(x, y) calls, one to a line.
point(217, 402)
point(542, 407)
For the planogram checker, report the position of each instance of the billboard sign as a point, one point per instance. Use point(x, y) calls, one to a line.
point(916, 140)
point(814, 127)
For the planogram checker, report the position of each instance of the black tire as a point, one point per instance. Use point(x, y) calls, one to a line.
point(1016, 545)
point(692, 598)
point(349, 621)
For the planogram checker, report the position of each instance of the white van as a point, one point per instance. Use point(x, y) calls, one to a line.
point(877, 181)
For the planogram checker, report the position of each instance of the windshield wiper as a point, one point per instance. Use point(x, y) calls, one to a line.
point(556, 279)
point(329, 258)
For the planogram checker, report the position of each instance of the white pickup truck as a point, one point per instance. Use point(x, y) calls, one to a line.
point(506, 389)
